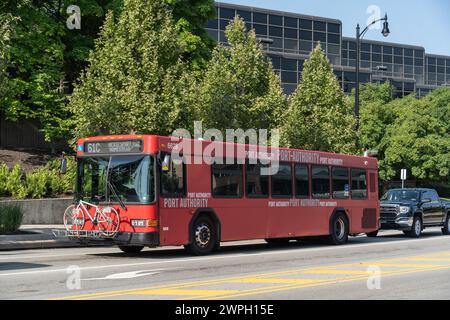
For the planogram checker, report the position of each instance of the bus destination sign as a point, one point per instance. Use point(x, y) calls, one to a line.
point(107, 147)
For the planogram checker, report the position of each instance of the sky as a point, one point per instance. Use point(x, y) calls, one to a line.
point(423, 23)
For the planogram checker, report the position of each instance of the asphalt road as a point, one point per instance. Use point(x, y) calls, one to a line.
point(390, 266)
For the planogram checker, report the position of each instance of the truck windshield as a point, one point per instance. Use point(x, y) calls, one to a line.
point(131, 176)
point(401, 195)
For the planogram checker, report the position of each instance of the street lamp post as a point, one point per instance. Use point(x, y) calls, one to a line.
point(359, 35)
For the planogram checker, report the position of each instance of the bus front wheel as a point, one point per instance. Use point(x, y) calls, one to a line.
point(131, 249)
point(203, 237)
point(339, 229)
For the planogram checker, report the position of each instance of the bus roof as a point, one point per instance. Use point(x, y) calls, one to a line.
point(155, 143)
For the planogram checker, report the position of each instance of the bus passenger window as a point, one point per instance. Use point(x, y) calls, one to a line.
point(282, 182)
point(257, 184)
point(172, 180)
point(227, 180)
point(341, 185)
point(320, 182)
point(359, 184)
point(301, 181)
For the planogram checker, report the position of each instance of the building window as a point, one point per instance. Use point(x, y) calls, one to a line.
point(290, 22)
point(334, 27)
point(334, 38)
point(275, 31)
point(246, 15)
point(305, 24)
point(320, 26)
point(320, 182)
point(257, 184)
point(320, 36)
point(260, 29)
point(301, 181)
point(275, 20)
point(341, 184)
point(290, 33)
point(289, 64)
point(259, 17)
point(282, 181)
point(227, 13)
point(305, 35)
point(226, 180)
point(359, 184)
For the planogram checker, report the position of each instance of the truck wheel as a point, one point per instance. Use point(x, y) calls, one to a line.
point(131, 249)
point(339, 230)
point(203, 237)
point(446, 228)
point(372, 234)
point(416, 229)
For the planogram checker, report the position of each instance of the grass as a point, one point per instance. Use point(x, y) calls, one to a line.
point(11, 216)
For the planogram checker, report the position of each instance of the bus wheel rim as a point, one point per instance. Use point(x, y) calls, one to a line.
point(340, 228)
point(202, 235)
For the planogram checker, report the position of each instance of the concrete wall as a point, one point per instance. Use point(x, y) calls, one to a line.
point(42, 211)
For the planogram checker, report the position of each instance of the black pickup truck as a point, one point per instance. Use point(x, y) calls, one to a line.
point(412, 210)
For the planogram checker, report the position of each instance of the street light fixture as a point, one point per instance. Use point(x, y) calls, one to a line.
point(359, 35)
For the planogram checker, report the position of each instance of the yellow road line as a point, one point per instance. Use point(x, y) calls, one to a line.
point(333, 271)
point(181, 292)
point(335, 281)
point(275, 280)
point(425, 259)
point(329, 270)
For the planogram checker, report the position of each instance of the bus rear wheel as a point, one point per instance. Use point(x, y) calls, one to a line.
point(339, 229)
point(203, 237)
point(131, 249)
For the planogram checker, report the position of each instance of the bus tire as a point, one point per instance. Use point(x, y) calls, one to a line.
point(131, 249)
point(339, 229)
point(372, 234)
point(203, 237)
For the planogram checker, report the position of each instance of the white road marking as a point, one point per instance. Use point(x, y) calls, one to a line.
point(127, 275)
point(228, 256)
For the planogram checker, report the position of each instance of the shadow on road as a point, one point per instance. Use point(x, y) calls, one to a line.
point(240, 248)
point(4, 266)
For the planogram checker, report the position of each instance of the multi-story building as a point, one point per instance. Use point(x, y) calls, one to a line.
point(289, 38)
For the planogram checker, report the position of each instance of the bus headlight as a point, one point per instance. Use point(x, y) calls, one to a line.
point(404, 209)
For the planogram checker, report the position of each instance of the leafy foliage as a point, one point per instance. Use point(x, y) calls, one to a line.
point(134, 76)
point(408, 133)
point(11, 216)
point(14, 183)
point(320, 116)
point(239, 88)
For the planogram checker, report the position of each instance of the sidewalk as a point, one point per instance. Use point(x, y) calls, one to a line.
point(35, 237)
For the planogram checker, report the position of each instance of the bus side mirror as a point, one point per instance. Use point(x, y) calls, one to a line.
point(63, 166)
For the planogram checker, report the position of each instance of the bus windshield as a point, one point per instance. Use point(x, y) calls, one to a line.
point(132, 177)
point(401, 195)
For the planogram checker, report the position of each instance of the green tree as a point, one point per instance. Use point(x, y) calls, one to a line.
point(44, 58)
point(375, 114)
point(239, 88)
point(416, 140)
point(320, 116)
point(134, 81)
point(190, 18)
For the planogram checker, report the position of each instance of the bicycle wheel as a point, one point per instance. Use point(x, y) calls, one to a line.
point(73, 218)
point(108, 221)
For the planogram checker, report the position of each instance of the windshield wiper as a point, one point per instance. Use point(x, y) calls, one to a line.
point(113, 188)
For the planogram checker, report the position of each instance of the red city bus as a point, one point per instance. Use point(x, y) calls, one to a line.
point(164, 202)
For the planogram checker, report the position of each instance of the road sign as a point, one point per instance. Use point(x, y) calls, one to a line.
point(403, 177)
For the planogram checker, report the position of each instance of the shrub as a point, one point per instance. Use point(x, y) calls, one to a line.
point(38, 183)
point(14, 183)
point(11, 216)
point(4, 172)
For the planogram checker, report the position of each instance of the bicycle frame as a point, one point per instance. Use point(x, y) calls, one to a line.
point(98, 213)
